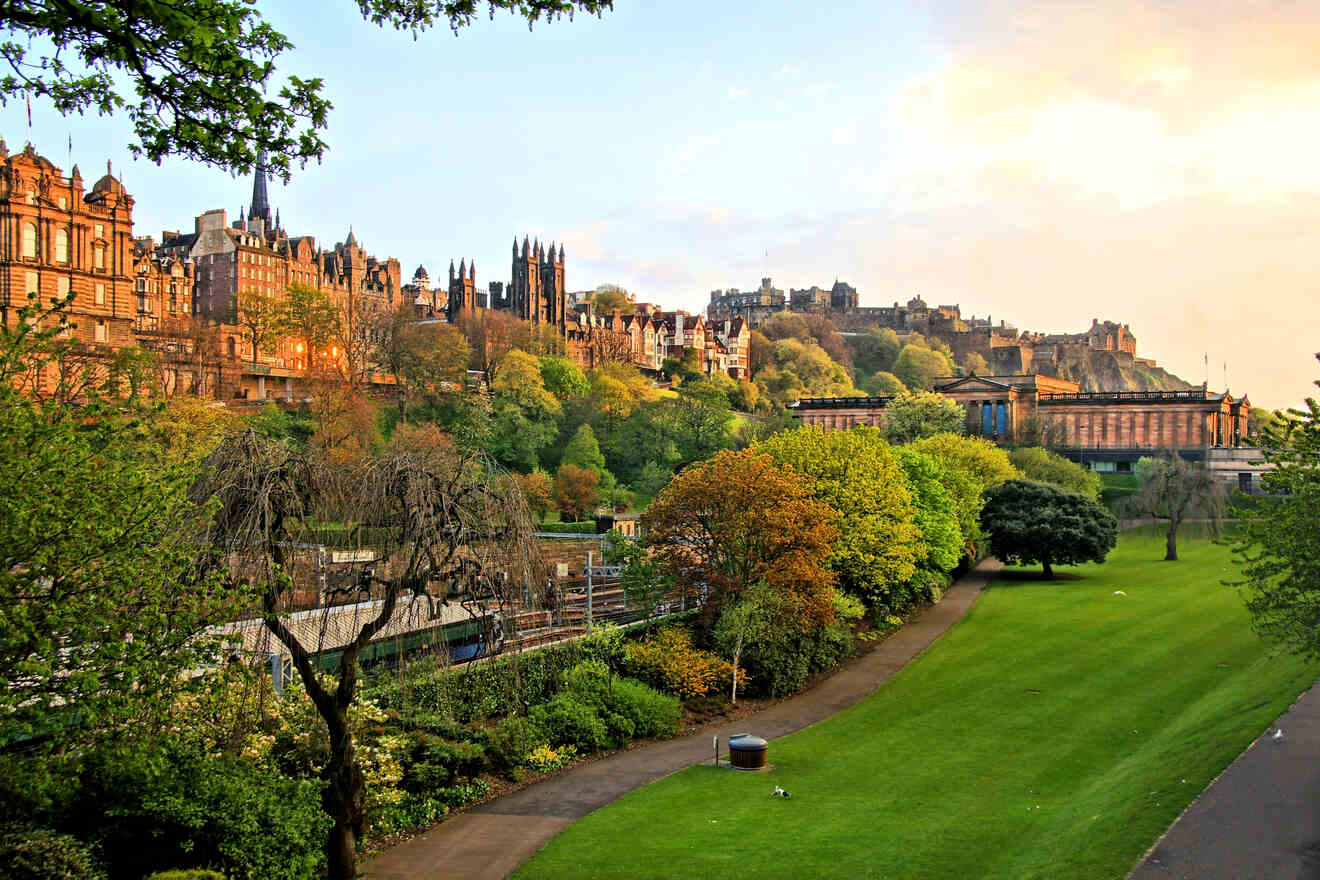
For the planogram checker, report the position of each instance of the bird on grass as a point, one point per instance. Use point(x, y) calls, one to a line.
point(779, 792)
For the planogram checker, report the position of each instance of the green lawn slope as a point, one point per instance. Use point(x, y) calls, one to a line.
point(1054, 733)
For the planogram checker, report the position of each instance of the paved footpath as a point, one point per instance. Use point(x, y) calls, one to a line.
point(490, 842)
point(1260, 820)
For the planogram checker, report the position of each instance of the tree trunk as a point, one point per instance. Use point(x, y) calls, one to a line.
point(1171, 542)
point(344, 799)
point(737, 655)
point(1046, 570)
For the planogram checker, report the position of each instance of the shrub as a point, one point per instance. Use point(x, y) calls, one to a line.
point(41, 854)
point(512, 740)
point(154, 809)
point(569, 722)
point(544, 759)
point(457, 796)
point(188, 874)
point(668, 660)
point(431, 762)
point(411, 812)
point(590, 682)
point(652, 713)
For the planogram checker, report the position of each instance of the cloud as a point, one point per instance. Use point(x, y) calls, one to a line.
point(844, 135)
point(734, 93)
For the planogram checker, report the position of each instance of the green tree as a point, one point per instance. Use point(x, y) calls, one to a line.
point(608, 297)
point(698, 420)
point(1278, 544)
point(745, 621)
point(882, 384)
point(876, 350)
point(563, 378)
point(309, 315)
point(100, 601)
point(975, 364)
point(583, 451)
point(937, 514)
point(918, 366)
point(644, 579)
point(1172, 489)
point(857, 475)
point(1044, 466)
point(539, 492)
point(912, 415)
point(968, 467)
point(261, 317)
point(197, 79)
point(1032, 522)
point(523, 412)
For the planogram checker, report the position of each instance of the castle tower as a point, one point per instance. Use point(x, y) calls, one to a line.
point(462, 290)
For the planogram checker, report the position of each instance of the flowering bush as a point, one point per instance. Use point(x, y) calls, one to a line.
point(543, 759)
point(668, 660)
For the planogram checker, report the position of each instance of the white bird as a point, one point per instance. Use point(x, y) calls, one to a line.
point(779, 792)
point(1119, 593)
point(1278, 735)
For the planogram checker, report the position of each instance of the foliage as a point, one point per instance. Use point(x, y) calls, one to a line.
point(912, 415)
point(797, 369)
point(1172, 489)
point(857, 475)
point(42, 854)
point(644, 579)
point(936, 512)
point(512, 741)
point(875, 351)
point(737, 519)
point(577, 491)
point(584, 452)
point(187, 874)
point(698, 420)
point(608, 297)
point(917, 366)
point(563, 378)
point(524, 412)
point(1278, 544)
point(567, 721)
point(882, 384)
point(1044, 466)
point(99, 601)
point(1171, 660)
point(1035, 522)
point(428, 361)
point(308, 314)
point(747, 620)
point(669, 661)
point(539, 491)
point(198, 809)
point(546, 759)
point(975, 365)
point(261, 316)
point(968, 466)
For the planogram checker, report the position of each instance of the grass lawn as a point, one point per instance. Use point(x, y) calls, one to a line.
point(1055, 732)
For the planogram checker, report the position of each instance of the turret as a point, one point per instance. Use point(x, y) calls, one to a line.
point(524, 250)
point(472, 271)
point(451, 270)
point(462, 270)
point(561, 253)
point(515, 247)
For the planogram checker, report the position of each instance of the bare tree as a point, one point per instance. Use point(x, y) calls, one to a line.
point(1172, 489)
point(443, 523)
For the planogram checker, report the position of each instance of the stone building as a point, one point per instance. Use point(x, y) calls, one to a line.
point(1104, 430)
point(60, 240)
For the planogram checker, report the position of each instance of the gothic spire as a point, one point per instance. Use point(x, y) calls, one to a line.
point(462, 269)
point(515, 246)
point(451, 270)
point(524, 253)
point(260, 200)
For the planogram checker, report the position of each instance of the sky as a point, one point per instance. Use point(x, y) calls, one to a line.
point(1045, 163)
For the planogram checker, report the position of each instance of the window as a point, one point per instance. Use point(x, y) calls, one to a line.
point(1244, 482)
point(29, 241)
point(1104, 467)
point(30, 282)
point(62, 286)
point(98, 257)
point(61, 245)
point(99, 230)
point(64, 202)
point(101, 332)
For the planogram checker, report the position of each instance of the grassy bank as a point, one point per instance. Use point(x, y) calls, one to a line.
point(1055, 732)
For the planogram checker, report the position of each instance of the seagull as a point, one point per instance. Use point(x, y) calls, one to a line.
point(779, 792)
point(1278, 735)
point(1119, 593)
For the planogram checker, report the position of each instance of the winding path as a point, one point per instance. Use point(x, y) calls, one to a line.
point(490, 842)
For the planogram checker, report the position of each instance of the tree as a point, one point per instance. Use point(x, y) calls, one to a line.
point(312, 318)
point(876, 350)
point(100, 603)
point(918, 366)
point(262, 317)
point(491, 336)
point(356, 335)
point(882, 384)
point(1034, 522)
point(608, 297)
point(698, 420)
point(524, 412)
point(644, 579)
point(583, 451)
point(912, 415)
point(196, 79)
point(736, 520)
point(446, 520)
point(426, 360)
point(1278, 544)
point(975, 364)
point(1172, 489)
point(563, 378)
point(968, 467)
point(1044, 466)
point(937, 514)
point(539, 492)
point(857, 475)
point(576, 491)
point(746, 621)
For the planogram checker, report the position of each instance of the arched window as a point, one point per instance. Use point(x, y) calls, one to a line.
point(61, 245)
point(29, 241)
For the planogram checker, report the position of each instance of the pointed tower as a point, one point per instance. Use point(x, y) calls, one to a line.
point(260, 209)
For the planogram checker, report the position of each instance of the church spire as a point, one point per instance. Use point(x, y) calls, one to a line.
point(260, 209)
